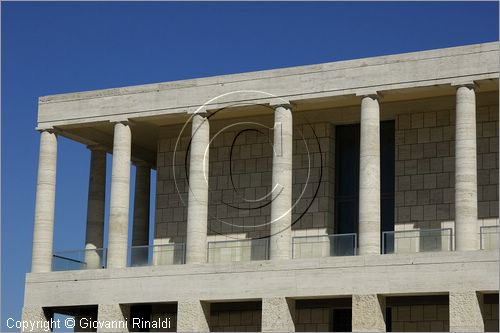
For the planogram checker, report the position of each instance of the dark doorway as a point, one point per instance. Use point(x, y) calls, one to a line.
point(347, 177)
point(342, 320)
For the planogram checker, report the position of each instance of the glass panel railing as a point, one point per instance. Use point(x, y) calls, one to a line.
point(156, 255)
point(79, 259)
point(324, 246)
point(413, 241)
point(489, 237)
point(238, 250)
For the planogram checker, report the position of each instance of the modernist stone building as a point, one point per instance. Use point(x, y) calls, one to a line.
point(355, 195)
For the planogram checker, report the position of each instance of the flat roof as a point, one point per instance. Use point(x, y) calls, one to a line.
point(447, 66)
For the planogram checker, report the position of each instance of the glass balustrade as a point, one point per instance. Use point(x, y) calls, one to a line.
point(324, 246)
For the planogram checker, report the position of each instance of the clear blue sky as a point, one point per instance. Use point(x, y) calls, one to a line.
point(60, 47)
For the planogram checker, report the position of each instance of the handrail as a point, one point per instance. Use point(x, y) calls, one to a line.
point(79, 259)
point(69, 259)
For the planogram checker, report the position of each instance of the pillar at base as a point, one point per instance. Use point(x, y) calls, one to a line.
point(278, 314)
point(192, 316)
point(113, 313)
point(368, 313)
point(35, 315)
point(465, 312)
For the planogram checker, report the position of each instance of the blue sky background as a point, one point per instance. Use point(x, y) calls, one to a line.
point(59, 47)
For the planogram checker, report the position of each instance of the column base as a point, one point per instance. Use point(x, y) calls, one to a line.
point(466, 312)
point(192, 316)
point(278, 314)
point(368, 313)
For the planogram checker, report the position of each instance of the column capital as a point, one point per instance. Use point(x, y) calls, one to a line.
point(125, 122)
point(202, 113)
point(373, 95)
point(280, 102)
point(472, 86)
point(48, 130)
point(465, 83)
point(287, 106)
point(368, 92)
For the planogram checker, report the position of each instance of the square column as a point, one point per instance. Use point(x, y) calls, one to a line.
point(113, 313)
point(466, 227)
point(369, 177)
point(43, 233)
point(36, 315)
point(94, 234)
point(368, 313)
point(196, 240)
point(192, 316)
point(119, 197)
point(466, 312)
point(281, 205)
point(278, 314)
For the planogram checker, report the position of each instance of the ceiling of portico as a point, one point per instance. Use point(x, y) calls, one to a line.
point(146, 130)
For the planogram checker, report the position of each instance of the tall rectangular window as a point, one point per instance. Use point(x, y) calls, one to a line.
point(387, 174)
point(346, 178)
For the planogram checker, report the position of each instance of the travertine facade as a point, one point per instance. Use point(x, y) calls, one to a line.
point(425, 166)
point(358, 195)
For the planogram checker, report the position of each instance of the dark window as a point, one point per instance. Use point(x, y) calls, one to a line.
point(347, 177)
point(142, 311)
point(388, 319)
point(341, 320)
point(387, 175)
